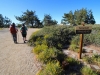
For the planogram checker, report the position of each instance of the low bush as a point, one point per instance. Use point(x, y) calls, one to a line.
point(72, 61)
point(56, 36)
point(88, 71)
point(48, 40)
point(95, 59)
point(48, 55)
point(87, 59)
point(52, 68)
point(73, 47)
point(89, 39)
point(40, 48)
point(74, 44)
point(1, 28)
point(33, 38)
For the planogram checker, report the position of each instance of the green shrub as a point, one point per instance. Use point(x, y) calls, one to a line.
point(94, 37)
point(95, 59)
point(73, 47)
point(54, 36)
point(60, 56)
point(88, 60)
point(75, 40)
point(40, 48)
point(88, 71)
point(52, 68)
point(71, 61)
point(1, 28)
point(33, 38)
point(59, 45)
point(38, 41)
point(89, 39)
point(48, 55)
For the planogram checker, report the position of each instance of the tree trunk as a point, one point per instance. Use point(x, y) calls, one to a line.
point(32, 24)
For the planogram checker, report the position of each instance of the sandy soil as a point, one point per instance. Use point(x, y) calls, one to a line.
point(16, 59)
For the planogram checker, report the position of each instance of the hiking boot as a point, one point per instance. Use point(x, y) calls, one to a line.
point(24, 42)
point(15, 42)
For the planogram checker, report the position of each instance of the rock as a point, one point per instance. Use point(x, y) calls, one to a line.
point(91, 51)
point(88, 65)
point(74, 56)
point(83, 55)
point(98, 53)
point(87, 50)
point(95, 67)
point(85, 63)
point(95, 52)
point(66, 52)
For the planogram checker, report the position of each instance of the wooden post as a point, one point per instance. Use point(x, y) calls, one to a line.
point(81, 43)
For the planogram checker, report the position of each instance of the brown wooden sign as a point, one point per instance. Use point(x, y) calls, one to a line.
point(83, 29)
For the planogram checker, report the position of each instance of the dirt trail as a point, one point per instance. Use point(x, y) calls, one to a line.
point(16, 59)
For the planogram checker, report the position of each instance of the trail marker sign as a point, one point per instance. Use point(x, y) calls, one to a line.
point(83, 29)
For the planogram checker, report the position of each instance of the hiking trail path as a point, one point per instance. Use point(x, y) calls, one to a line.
point(16, 59)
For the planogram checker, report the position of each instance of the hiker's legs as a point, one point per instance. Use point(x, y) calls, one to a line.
point(24, 37)
point(14, 38)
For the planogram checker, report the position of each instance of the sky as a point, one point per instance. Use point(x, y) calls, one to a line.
point(56, 8)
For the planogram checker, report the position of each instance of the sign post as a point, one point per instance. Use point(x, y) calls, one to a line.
point(81, 43)
point(82, 30)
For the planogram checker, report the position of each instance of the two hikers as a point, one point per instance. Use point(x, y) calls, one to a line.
point(14, 30)
point(23, 31)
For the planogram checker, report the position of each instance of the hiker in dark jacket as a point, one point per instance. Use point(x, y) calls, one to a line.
point(23, 31)
point(13, 31)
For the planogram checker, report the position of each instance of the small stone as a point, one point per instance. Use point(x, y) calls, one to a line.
point(74, 56)
point(91, 51)
point(96, 67)
point(66, 52)
point(85, 63)
point(95, 52)
point(88, 65)
point(87, 50)
point(83, 55)
point(98, 53)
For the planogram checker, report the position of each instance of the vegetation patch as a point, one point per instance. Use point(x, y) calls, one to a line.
point(48, 43)
point(52, 68)
point(1, 28)
point(54, 36)
point(89, 39)
point(88, 71)
point(95, 59)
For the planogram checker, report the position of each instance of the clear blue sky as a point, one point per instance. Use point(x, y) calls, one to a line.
point(56, 8)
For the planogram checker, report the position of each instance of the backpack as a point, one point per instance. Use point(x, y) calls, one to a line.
point(13, 30)
point(23, 30)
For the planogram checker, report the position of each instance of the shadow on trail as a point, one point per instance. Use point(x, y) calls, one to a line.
point(22, 43)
